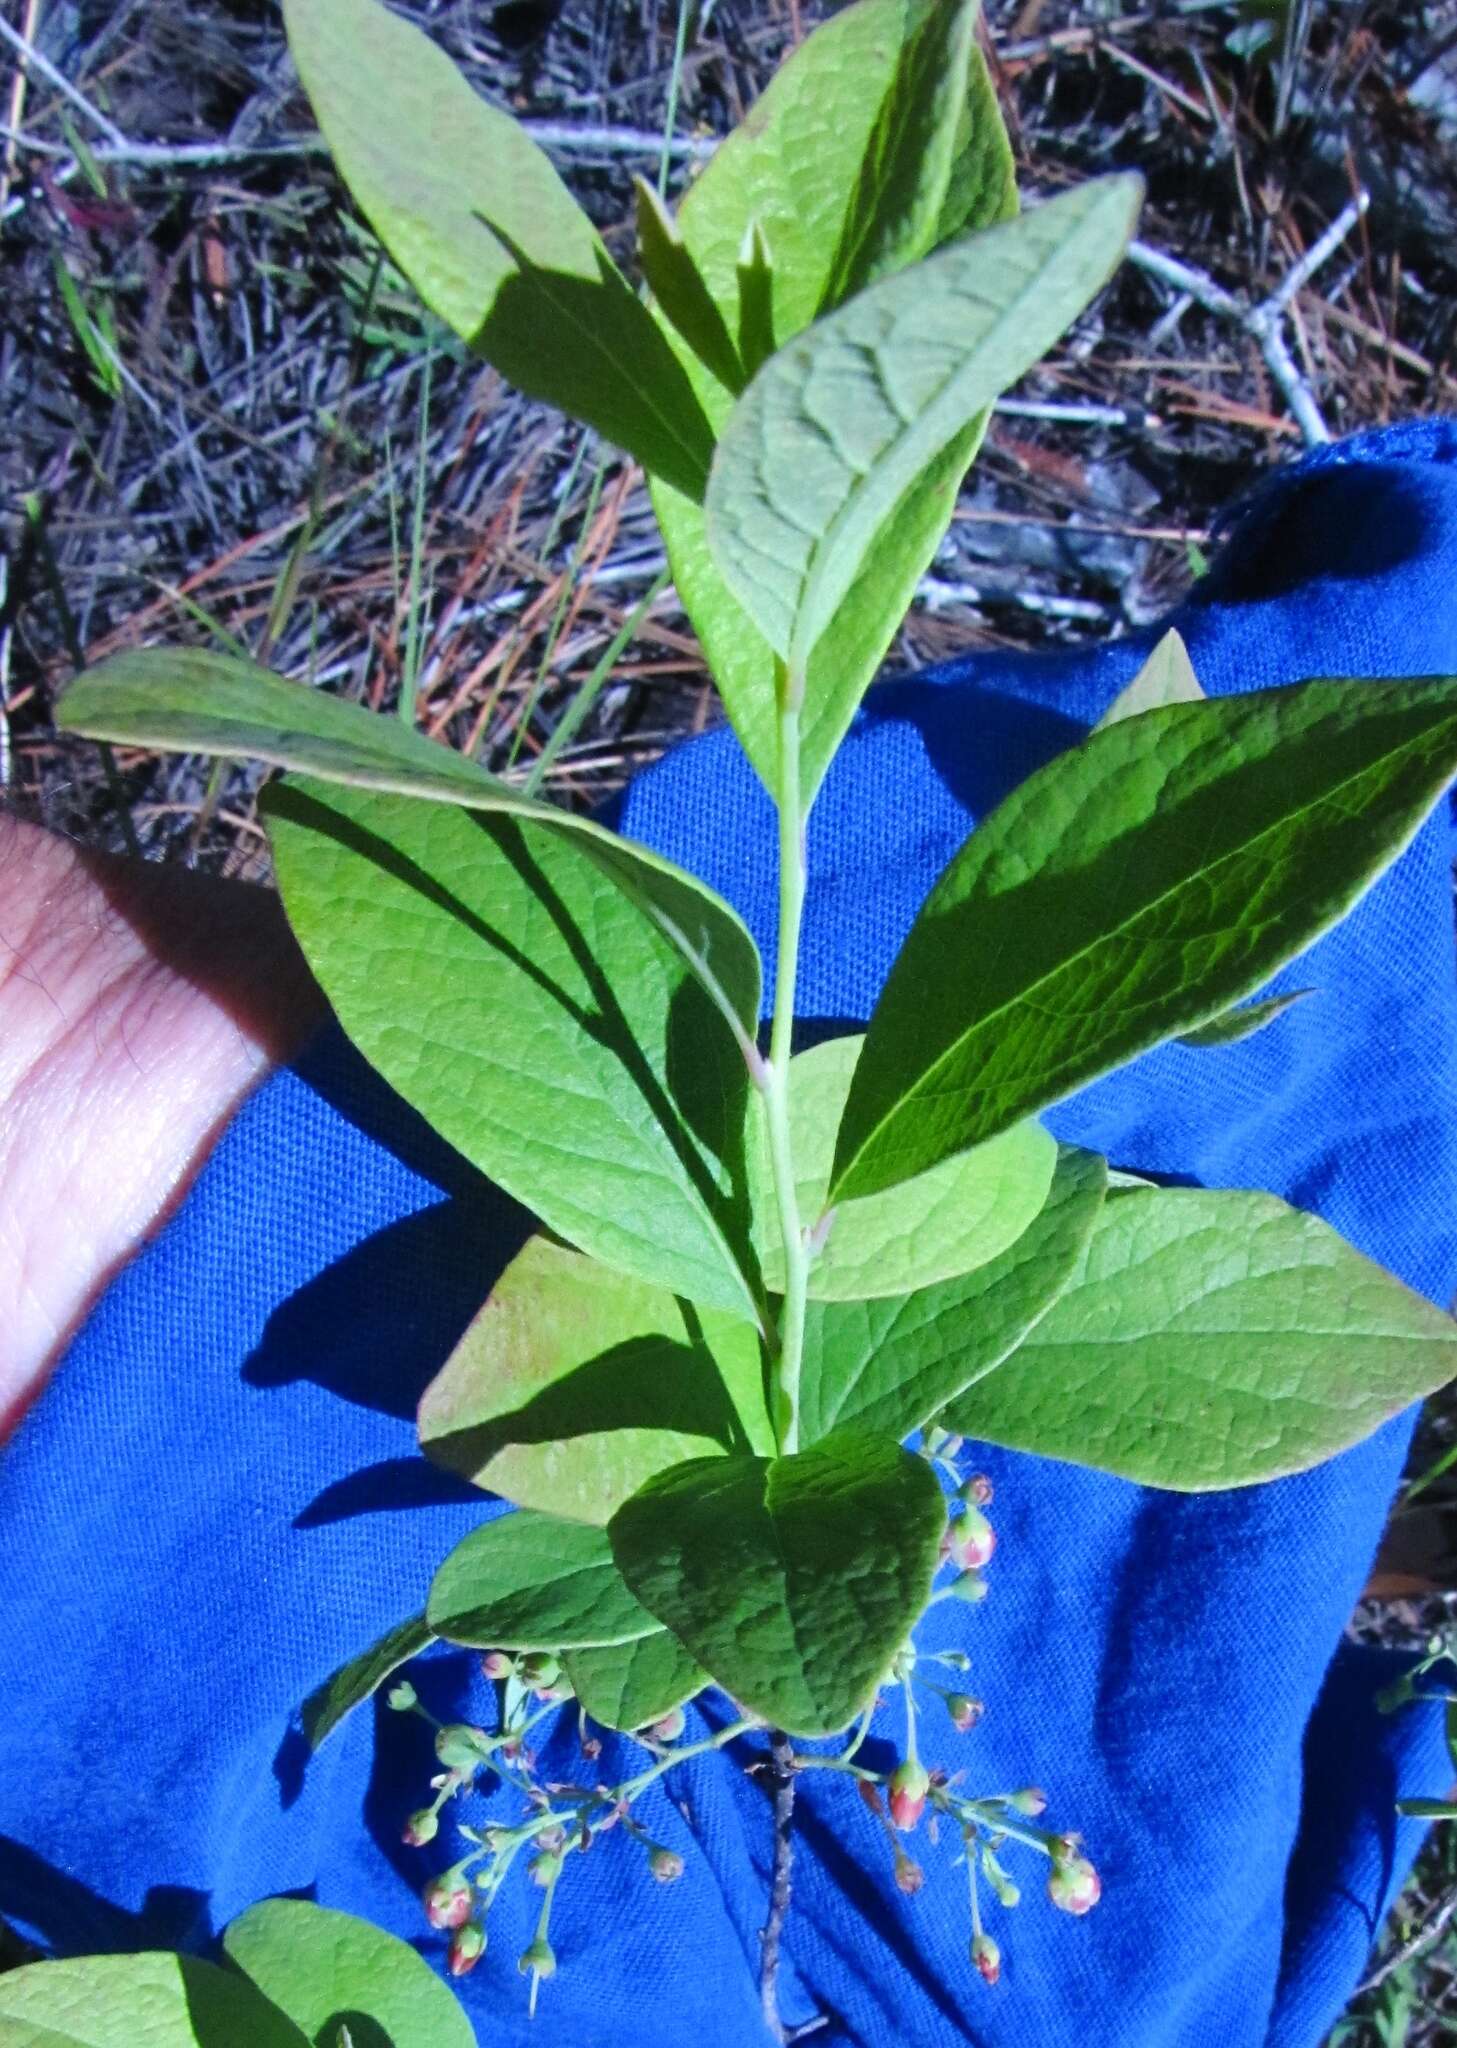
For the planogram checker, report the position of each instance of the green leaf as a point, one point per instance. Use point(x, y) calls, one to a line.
point(530, 1581)
point(575, 1383)
point(354, 1682)
point(790, 168)
point(627, 1685)
point(191, 701)
point(1167, 677)
point(677, 284)
point(894, 216)
point(1131, 890)
point(756, 302)
point(1211, 1339)
point(892, 1366)
point(489, 236)
point(948, 1221)
point(793, 1580)
point(326, 1969)
point(1427, 1809)
point(145, 2001)
point(1237, 1025)
point(832, 432)
point(529, 1009)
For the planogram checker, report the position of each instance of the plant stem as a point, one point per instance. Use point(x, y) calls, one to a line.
point(634, 1786)
point(775, 1083)
point(783, 1752)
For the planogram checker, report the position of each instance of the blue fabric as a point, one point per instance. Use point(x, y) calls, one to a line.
point(219, 1498)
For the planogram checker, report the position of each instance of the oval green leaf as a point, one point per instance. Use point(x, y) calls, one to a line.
point(821, 133)
point(793, 1581)
point(326, 1969)
point(958, 1216)
point(145, 2001)
point(1133, 889)
point(536, 1016)
point(832, 432)
point(627, 1685)
point(575, 1384)
point(892, 1366)
point(1212, 1339)
point(354, 1682)
point(475, 216)
point(188, 700)
point(531, 1581)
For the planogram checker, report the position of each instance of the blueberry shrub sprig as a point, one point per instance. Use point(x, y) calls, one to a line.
point(763, 1273)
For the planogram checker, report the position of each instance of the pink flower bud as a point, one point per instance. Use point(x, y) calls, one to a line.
point(909, 1876)
point(975, 1540)
point(496, 1664)
point(1074, 1884)
point(870, 1793)
point(964, 1712)
point(909, 1785)
point(467, 1946)
point(670, 1727)
point(666, 1865)
point(448, 1901)
point(420, 1828)
point(1030, 1801)
point(987, 1957)
point(977, 1490)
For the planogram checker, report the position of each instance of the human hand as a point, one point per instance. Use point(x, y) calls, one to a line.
point(138, 1005)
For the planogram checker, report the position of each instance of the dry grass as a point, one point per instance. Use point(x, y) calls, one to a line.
point(239, 381)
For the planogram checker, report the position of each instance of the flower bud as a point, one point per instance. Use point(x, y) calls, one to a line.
point(909, 1785)
point(467, 1946)
point(402, 1697)
point(540, 1957)
point(987, 1958)
point(971, 1586)
point(497, 1664)
point(540, 1668)
point(1074, 1884)
point(461, 1748)
point(420, 1828)
point(449, 1900)
point(544, 1868)
point(670, 1727)
point(964, 1712)
point(909, 1876)
point(666, 1865)
point(977, 1490)
point(951, 1447)
point(1030, 1801)
point(975, 1540)
point(870, 1793)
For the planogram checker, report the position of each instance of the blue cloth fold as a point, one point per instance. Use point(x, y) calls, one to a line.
point(219, 1499)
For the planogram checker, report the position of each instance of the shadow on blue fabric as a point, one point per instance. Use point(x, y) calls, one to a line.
point(219, 1498)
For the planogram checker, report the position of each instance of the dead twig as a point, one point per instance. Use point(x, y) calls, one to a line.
point(1265, 321)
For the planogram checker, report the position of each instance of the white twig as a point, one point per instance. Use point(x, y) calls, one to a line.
point(1265, 322)
point(48, 71)
point(587, 141)
point(1075, 415)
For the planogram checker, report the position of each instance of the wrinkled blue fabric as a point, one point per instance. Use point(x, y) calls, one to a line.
point(219, 1499)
